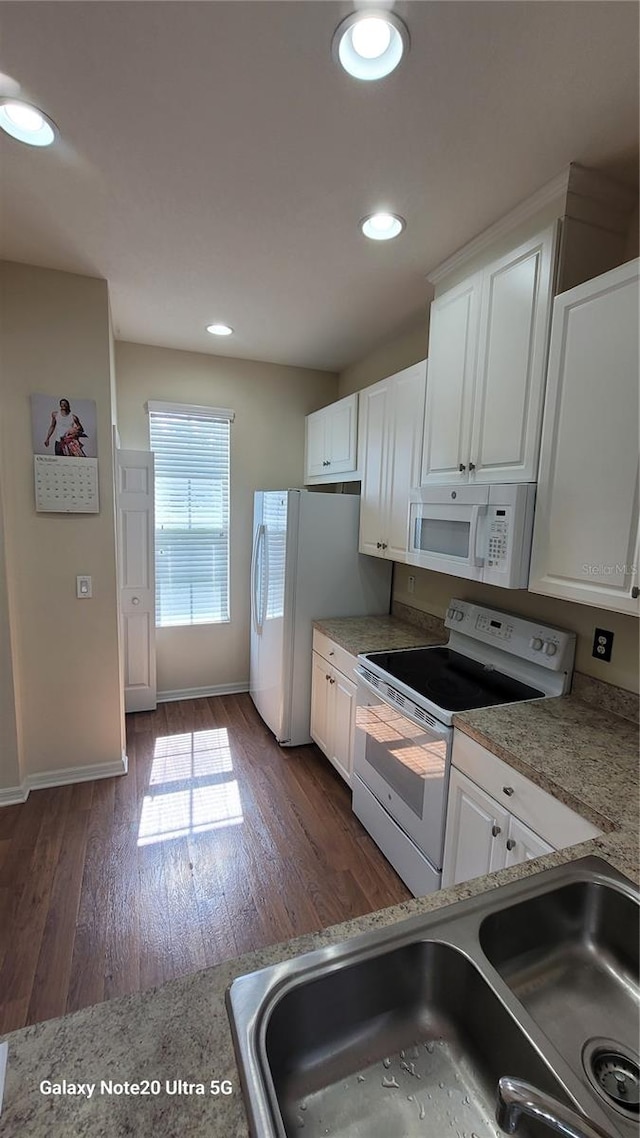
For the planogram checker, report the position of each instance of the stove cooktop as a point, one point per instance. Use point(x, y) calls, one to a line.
point(451, 681)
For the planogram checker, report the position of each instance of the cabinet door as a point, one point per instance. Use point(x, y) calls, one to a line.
point(585, 541)
point(342, 699)
point(522, 844)
point(453, 344)
point(517, 293)
point(374, 404)
point(407, 396)
point(319, 727)
point(314, 449)
point(475, 832)
point(342, 432)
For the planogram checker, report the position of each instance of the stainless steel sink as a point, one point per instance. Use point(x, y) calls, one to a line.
point(570, 956)
point(368, 1049)
point(406, 1030)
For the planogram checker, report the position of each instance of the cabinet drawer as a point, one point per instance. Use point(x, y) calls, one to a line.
point(335, 655)
point(548, 817)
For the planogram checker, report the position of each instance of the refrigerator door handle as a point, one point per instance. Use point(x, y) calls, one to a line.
point(260, 532)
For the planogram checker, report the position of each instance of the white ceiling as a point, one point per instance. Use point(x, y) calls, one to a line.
point(215, 162)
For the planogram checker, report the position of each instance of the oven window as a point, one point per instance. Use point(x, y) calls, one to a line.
point(443, 535)
point(401, 752)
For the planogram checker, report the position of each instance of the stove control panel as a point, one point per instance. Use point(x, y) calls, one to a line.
point(549, 647)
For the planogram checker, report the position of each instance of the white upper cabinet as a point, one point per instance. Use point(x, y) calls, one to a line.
point(453, 344)
point(517, 295)
point(585, 542)
point(391, 419)
point(331, 437)
point(487, 365)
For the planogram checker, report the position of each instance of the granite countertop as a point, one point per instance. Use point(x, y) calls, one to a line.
point(380, 633)
point(180, 1031)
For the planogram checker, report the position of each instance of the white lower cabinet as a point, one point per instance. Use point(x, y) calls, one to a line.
point(485, 833)
point(333, 705)
point(476, 832)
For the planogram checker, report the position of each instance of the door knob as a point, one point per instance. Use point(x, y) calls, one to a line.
point(135, 600)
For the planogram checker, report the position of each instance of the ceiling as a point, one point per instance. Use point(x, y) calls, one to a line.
point(214, 161)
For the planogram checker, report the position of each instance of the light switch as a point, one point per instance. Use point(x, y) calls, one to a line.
point(83, 588)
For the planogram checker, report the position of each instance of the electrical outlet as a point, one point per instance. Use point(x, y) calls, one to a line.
point(602, 644)
point(411, 584)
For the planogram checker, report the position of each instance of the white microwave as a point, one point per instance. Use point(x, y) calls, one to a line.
point(479, 532)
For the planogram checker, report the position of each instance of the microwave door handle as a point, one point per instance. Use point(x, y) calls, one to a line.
point(474, 557)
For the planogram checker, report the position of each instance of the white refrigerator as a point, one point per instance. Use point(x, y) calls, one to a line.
point(305, 565)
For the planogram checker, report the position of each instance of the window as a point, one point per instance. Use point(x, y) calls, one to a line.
point(192, 454)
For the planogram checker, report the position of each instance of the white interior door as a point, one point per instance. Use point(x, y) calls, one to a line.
point(136, 575)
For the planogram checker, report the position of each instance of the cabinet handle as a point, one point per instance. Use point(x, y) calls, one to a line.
point(327, 677)
point(325, 462)
point(508, 790)
point(472, 466)
point(462, 467)
point(495, 830)
point(331, 680)
point(332, 653)
point(511, 843)
point(384, 545)
point(635, 592)
point(378, 545)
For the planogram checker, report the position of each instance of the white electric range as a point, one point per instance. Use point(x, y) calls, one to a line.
point(405, 706)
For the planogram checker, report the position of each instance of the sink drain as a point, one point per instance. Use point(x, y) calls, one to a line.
point(614, 1072)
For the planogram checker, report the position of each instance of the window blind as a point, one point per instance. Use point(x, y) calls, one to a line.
point(192, 467)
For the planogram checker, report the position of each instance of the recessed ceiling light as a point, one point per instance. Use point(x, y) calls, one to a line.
point(26, 123)
point(382, 226)
point(219, 329)
point(370, 44)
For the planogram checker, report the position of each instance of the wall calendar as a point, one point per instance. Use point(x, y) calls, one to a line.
point(64, 455)
point(65, 485)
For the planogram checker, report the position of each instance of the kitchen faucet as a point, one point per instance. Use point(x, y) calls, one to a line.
point(515, 1098)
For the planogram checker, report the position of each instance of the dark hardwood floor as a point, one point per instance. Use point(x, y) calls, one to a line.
point(215, 843)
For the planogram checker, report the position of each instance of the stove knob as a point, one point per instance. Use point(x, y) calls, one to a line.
point(458, 614)
point(549, 648)
point(535, 643)
point(450, 613)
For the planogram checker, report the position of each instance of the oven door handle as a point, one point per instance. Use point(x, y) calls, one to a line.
point(437, 730)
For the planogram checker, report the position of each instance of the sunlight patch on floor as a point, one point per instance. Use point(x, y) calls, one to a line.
point(207, 800)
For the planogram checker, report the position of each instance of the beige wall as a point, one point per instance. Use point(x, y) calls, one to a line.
point(433, 592)
point(54, 338)
point(406, 348)
point(267, 452)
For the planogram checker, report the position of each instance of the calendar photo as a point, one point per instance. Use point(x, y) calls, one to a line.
point(64, 427)
point(64, 454)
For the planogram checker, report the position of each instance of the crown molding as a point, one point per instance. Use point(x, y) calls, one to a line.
point(528, 208)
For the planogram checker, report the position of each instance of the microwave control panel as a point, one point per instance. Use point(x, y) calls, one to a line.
point(498, 520)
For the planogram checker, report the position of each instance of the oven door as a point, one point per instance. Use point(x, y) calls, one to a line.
point(405, 764)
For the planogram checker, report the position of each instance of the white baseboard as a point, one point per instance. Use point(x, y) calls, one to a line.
point(63, 777)
point(202, 693)
point(11, 795)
